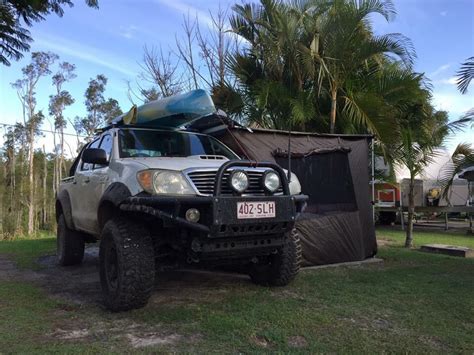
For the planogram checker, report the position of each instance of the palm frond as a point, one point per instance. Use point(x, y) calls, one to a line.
point(465, 75)
point(462, 158)
point(356, 114)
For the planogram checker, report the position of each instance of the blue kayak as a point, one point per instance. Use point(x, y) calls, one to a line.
point(170, 112)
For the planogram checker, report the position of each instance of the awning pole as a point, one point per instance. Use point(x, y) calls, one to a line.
point(471, 203)
point(289, 154)
point(373, 181)
point(401, 207)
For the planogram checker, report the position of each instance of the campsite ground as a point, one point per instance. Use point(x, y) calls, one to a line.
point(413, 302)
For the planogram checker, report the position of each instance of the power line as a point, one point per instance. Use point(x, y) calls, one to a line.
point(44, 130)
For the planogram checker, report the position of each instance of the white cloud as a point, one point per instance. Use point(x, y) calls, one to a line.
point(455, 103)
point(86, 53)
point(449, 81)
point(128, 32)
point(439, 70)
point(133, 32)
point(188, 9)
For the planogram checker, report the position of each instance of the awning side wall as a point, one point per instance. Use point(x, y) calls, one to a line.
point(260, 146)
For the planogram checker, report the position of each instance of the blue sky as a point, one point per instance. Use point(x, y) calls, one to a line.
point(110, 41)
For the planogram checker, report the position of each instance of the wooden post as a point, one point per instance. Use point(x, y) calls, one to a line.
point(470, 231)
point(373, 180)
point(471, 203)
point(402, 220)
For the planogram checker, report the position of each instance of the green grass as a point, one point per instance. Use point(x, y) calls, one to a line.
point(25, 252)
point(413, 302)
point(459, 238)
point(29, 319)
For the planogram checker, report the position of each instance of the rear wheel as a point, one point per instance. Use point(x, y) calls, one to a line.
point(281, 268)
point(127, 265)
point(69, 244)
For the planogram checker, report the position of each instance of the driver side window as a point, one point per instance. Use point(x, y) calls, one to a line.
point(106, 144)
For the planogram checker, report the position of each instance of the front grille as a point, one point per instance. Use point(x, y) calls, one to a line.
point(204, 182)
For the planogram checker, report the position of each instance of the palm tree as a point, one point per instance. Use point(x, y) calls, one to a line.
point(422, 131)
point(346, 44)
point(463, 155)
point(308, 61)
point(462, 158)
point(272, 81)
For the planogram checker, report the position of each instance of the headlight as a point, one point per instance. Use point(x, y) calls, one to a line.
point(271, 181)
point(239, 181)
point(164, 182)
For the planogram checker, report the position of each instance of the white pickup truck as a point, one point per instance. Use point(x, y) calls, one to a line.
point(156, 198)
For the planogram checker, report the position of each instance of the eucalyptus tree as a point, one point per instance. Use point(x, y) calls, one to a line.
point(26, 86)
point(99, 109)
point(57, 104)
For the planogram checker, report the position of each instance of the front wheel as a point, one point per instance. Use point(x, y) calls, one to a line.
point(127, 265)
point(280, 268)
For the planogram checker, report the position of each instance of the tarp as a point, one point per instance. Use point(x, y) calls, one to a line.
point(334, 171)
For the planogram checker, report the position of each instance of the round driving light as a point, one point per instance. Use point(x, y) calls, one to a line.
point(239, 181)
point(193, 215)
point(271, 181)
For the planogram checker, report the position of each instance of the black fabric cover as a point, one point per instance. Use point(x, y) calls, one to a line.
point(334, 172)
point(326, 178)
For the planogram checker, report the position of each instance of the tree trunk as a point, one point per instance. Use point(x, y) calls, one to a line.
point(31, 204)
point(45, 176)
point(20, 202)
point(333, 108)
point(13, 177)
point(411, 213)
point(61, 157)
point(54, 179)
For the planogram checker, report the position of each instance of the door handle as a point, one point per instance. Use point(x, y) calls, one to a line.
point(86, 180)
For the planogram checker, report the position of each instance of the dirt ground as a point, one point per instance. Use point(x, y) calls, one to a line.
point(81, 285)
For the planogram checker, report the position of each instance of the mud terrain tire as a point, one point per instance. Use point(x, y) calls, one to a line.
point(282, 267)
point(127, 265)
point(69, 244)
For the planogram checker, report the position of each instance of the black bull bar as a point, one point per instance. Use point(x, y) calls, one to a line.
point(220, 210)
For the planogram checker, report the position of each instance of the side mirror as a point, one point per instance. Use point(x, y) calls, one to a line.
point(95, 156)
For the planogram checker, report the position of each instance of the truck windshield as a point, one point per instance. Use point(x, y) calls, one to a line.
point(155, 143)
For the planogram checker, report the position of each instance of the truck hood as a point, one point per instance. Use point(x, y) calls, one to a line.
point(178, 163)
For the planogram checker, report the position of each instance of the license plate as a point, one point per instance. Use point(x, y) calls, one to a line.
point(263, 209)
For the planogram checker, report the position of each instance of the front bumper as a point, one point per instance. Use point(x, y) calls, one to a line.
point(219, 214)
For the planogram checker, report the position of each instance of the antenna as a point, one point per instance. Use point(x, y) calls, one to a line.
point(289, 154)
